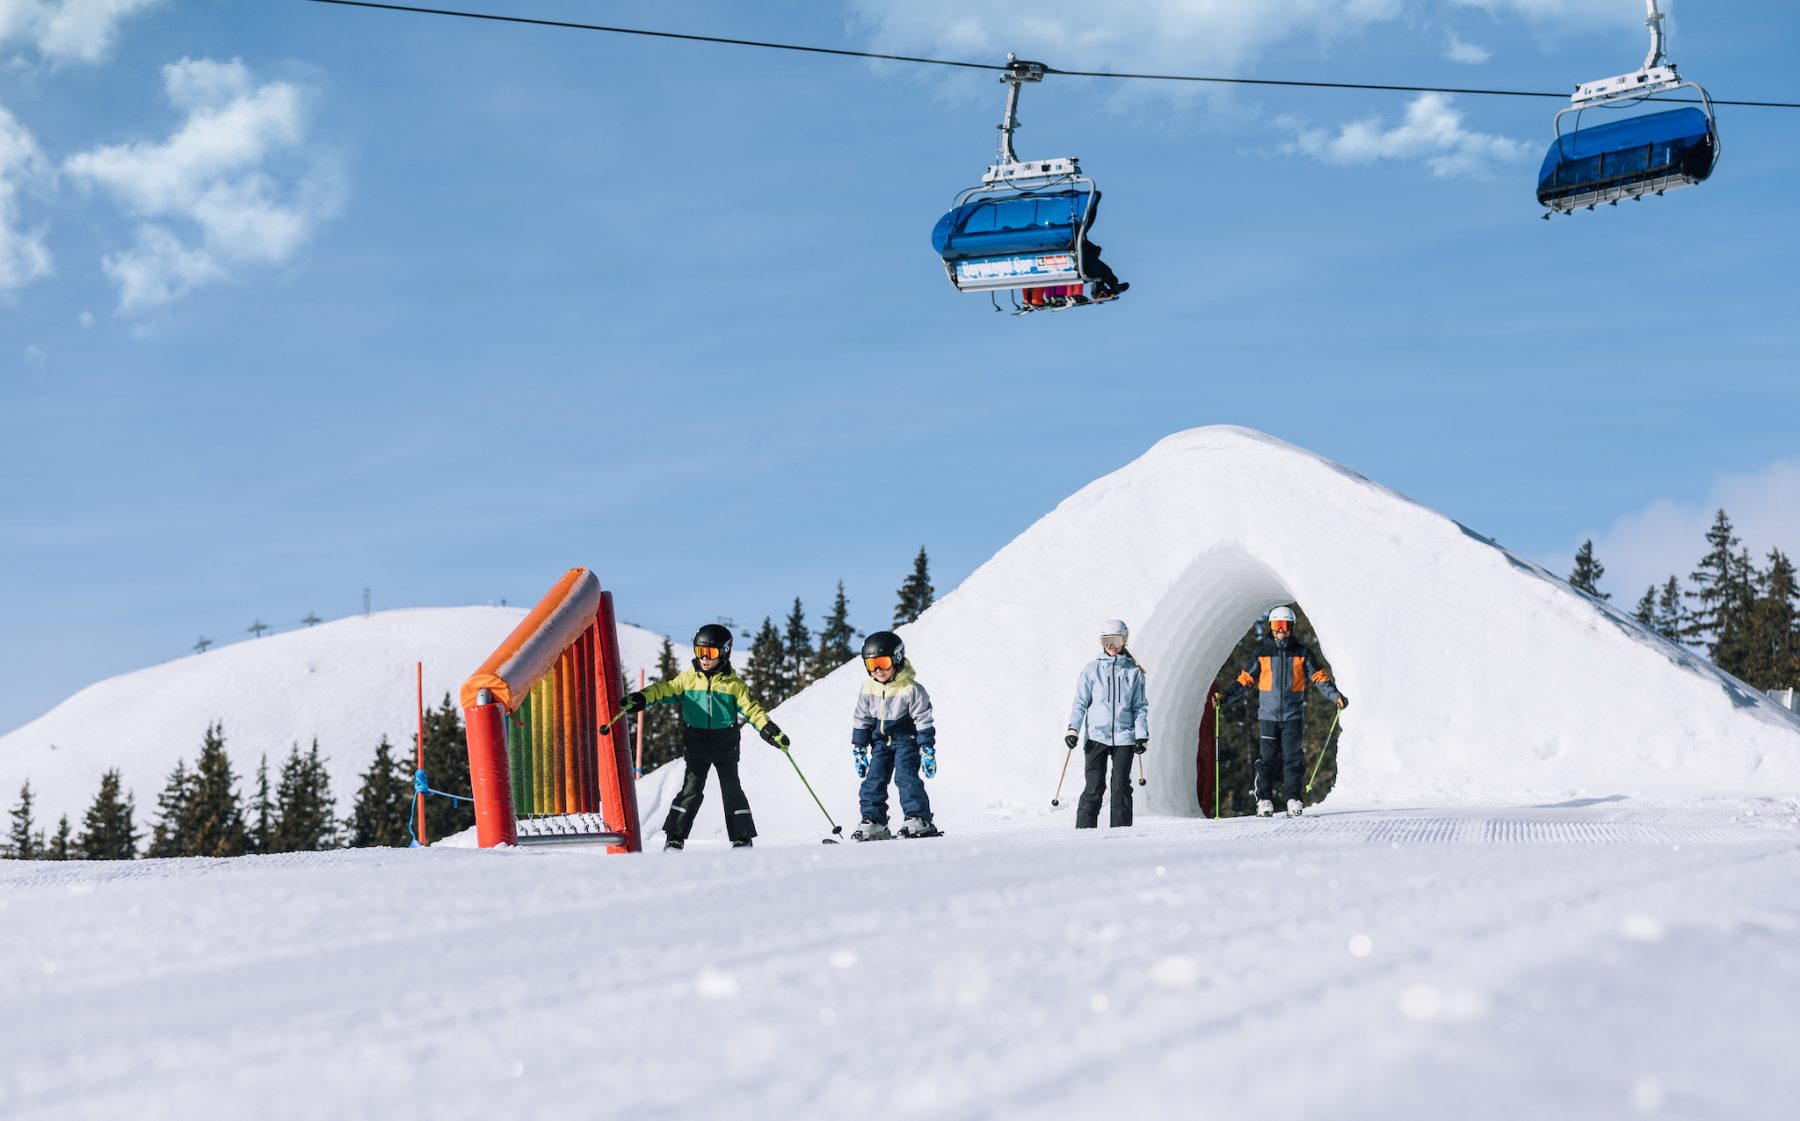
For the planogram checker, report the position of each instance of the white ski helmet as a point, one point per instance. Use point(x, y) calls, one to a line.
point(1109, 627)
point(1282, 615)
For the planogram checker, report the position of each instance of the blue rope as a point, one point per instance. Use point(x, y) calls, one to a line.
point(422, 786)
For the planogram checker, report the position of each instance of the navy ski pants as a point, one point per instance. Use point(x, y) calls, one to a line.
point(1281, 739)
point(896, 758)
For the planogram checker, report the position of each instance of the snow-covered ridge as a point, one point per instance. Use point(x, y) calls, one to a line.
point(348, 682)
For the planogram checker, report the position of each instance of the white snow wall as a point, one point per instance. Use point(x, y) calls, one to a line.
point(1473, 675)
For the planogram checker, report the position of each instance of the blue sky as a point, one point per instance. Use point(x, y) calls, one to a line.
point(296, 299)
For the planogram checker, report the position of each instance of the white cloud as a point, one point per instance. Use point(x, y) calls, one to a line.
point(1177, 36)
point(1568, 12)
point(1666, 537)
point(1432, 132)
point(86, 319)
point(66, 30)
point(23, 255)
point(1182, 36)
point(236, 171)
point(1464, 52)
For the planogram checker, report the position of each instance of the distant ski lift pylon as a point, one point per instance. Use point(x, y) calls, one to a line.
point(1636, 156)
point(1024, 229)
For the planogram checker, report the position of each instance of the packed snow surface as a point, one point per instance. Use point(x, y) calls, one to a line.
point(347, 683)
point(1610, 960)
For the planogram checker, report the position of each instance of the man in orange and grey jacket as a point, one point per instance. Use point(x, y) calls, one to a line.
point(1279, 671)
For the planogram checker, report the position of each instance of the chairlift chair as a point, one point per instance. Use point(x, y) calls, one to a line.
point(1627, 159)
point(1024, 228)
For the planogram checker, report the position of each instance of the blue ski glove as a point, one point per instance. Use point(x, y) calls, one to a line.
point(928, 760)
point(859, 754)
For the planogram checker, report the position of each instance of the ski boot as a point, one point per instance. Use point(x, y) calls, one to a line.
point(743, 844)
point(919, 827)
point(871, 831)
point(1294, 807)
point(673, 844)
point(1265, 808)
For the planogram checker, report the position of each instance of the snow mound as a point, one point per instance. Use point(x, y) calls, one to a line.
point(1473, 674)
point(347, 682)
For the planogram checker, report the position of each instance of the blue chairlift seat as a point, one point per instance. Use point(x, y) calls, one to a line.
point(1628, 158)
point(1021, 240)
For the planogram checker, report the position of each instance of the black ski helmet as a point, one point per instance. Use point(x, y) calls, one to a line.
point(715, 634)
point(884, 644)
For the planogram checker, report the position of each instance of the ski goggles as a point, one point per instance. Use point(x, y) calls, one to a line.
point(882, 661)
point(708, 651)
point(1281, 625)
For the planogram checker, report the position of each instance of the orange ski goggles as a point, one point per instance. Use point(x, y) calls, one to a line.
point(881, 662)
point(706, 651)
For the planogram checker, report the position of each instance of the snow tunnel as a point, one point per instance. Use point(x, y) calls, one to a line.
point(1475, 676)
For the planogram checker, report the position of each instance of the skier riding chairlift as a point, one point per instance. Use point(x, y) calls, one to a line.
point(1025, 227)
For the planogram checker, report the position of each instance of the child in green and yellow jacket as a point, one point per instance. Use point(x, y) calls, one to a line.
point(712, 698)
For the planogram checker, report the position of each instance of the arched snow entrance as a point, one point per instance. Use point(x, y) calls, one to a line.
point(1474, 675)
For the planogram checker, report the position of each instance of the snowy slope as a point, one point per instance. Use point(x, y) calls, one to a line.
point(347, 682)
point(1575, 962)
point(1473, 674)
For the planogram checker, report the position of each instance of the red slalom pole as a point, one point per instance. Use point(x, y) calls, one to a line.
point(419, 763)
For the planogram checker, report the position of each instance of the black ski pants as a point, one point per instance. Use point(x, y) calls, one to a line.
point(1281, 739)
point(1087, 811)
point(739, 825)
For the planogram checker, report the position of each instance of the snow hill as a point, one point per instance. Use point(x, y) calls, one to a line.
point(347, 682)
point(1474, 675)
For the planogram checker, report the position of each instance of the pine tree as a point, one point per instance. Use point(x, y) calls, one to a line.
point(766, 670)
point(796, 645)
point(383, 802)
point(916, 592)
point(215, 816)
point(1733, 647)
point(835, 638)
point(1711, 581)
point(1645, 612)
point(62, 845)
point(662, 724)
point(262, 811)
point(447, 768)
point(1773, 656)
point(1671, 612)
point(1588, 571)
point(24, 841)
point(107, 832)
point(304, 808)
point(168, 837)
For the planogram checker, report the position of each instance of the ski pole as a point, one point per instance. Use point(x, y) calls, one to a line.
point(1141, 779)
point(835, 827)
point(1323, 749)
point(607, 730)
point(1055, 801)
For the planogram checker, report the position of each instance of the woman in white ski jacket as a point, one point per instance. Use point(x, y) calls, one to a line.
point(1110, 701)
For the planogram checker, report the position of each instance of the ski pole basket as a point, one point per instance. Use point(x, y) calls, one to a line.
point(545, 766)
